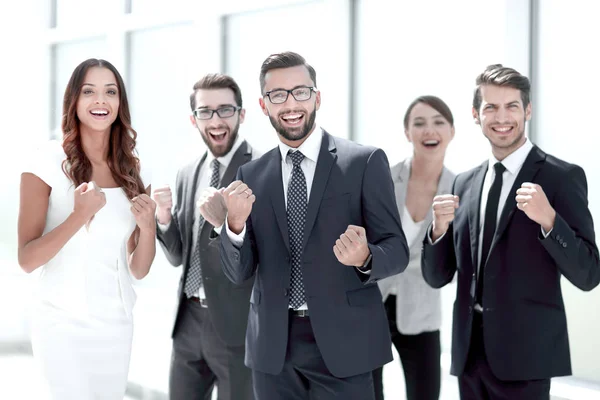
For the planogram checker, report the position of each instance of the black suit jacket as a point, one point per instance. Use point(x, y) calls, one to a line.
point(524, 321)
point(228, 303)
point(352, 185)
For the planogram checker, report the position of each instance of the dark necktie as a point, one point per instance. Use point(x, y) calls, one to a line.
point(296, 217)
point(193, 280)
point(489, 225)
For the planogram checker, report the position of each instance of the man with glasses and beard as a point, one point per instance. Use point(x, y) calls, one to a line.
point(315, 222)
point(208, 335)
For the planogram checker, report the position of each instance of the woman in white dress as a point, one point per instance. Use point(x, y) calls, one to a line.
point(87, 219)
point(414, 309)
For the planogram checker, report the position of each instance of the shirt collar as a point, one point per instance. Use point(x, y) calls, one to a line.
point(226, 159)
point(515, 160)
point(310, 147)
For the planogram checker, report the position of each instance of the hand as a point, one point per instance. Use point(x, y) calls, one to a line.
point(143, 209)
point(89, 199)
point(443, 213)
point(212, 206)
point(164, 202)
point(351, 248)
point(532, 200)
point(238, 199)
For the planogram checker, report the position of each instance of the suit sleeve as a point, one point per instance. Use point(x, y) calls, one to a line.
point(571, 242)
point(239, 262)
point(438, 260)
point(386, 240)
point(170, 239)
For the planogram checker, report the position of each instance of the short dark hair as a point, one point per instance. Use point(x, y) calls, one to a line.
point(216, 81)
point(499, 75)
point(286, 59)
point(434, 102)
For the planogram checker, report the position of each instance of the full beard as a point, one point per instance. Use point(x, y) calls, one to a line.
point(219, 150)
point(295, 134)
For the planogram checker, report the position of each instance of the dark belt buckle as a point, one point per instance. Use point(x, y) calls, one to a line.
point(300, 313)
point(203, 303)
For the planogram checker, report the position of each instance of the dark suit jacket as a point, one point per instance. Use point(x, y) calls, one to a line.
point(227, 303)
point(352, 185)
point(524, 321)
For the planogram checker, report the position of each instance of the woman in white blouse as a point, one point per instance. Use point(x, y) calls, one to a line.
point(414, 308)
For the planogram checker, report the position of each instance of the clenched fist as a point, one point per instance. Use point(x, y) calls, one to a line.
point(212, 206)
point(351, 248)
point(532, 200)
point(238, 199)
point(143, 209)
point(89, 199)
point(443, 214)
point(164, 202)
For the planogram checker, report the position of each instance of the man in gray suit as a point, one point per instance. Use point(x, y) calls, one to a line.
point(208, 336)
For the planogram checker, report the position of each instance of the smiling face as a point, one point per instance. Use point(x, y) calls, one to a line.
point(428, 131)
point(218, 133)
point(502, 118)
point(98, 101)
point(293, 120)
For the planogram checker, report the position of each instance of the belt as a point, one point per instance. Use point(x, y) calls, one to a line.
point(202, 302)
point(299, 313)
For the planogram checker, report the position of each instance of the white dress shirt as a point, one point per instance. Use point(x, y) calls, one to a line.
point(310, 148)
point(203, 183)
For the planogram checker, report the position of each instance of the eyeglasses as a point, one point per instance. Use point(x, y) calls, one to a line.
point(223, 112)
point(280, 96)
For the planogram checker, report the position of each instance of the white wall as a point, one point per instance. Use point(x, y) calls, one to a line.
point(565, 108)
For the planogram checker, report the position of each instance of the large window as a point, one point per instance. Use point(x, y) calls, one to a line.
point(253, 36)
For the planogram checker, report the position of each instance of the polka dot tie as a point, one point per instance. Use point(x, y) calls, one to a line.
point(296, 217)
point(193, 281)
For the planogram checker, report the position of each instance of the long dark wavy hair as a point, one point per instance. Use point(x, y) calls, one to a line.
point(122, 159)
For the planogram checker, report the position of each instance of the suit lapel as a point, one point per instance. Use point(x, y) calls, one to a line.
point(241, 157)
point(327, 157)
point(400, 185)
point(532, 164)
point(191, 193)
point(474, 204)
point(276, 193)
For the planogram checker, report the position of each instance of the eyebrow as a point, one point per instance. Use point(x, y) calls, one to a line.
point(435, 116)
point(295, 87)
point(91, 84)
point(219, 106)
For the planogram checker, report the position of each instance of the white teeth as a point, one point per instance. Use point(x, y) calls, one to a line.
point(504, 129)
point(99, 112)
point(291, 116)
point(217, 133)
point(431, 142)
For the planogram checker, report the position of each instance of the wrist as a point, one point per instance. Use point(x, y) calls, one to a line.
point(235, 226)
point(163, 217)
point(549, 223)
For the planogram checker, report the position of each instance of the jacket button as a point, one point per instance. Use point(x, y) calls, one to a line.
point(236, 256)
point(564, 244)
point(558, 237)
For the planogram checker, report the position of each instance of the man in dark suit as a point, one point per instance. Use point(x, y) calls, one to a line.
point(315, 220)
point(522, 223)
point(211, 320)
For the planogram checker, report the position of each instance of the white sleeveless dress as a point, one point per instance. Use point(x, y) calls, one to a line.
point(82, 324)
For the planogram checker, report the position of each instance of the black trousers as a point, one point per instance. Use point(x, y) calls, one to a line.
point(200, 360)
point(479, 383)
point(305, 375)
point(420, 358)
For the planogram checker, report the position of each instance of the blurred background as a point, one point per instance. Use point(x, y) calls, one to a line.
point(372, 59)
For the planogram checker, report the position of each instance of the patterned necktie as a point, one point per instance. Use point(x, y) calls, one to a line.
point(193, 280)
point(296, 217)
point(489, 225)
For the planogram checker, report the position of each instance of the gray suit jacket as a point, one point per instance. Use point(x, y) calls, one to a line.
point(418, 306)
point(227, 303)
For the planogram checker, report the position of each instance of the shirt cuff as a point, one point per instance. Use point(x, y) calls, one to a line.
point(163, 227)
point(366, 268)
point(236, 240)
point(429, 236)
point(218, 229)
point(544, 233)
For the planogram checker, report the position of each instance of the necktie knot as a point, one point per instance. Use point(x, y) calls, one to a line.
point(296, 157)
point(499, 168)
